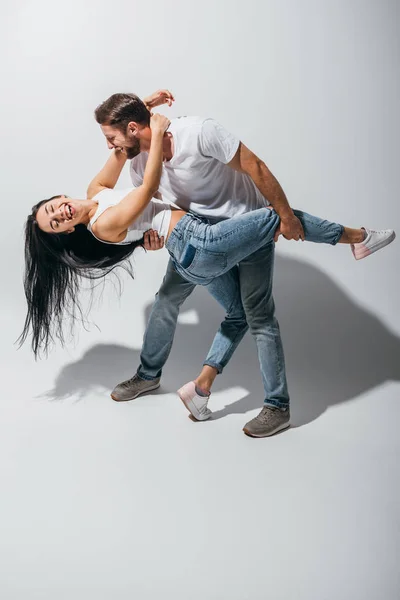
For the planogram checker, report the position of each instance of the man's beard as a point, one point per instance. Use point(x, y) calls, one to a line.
point(134, 150)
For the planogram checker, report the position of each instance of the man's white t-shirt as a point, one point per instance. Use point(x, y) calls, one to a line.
point(197, 177)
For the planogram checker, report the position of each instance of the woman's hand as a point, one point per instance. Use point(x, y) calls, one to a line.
point(159, 123)
point(158, 99)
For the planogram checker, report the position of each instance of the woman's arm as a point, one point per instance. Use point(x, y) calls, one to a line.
point(158, 98)
point(109, 174)
point(112, 225)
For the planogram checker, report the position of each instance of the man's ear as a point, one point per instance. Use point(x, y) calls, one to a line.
point(133, 128)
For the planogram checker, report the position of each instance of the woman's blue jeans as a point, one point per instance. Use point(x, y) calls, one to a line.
point(201, 251)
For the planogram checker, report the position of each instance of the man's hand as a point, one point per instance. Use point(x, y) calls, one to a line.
point(245, 161)
point(152, 241)
point(158, 98)
point(290, 228)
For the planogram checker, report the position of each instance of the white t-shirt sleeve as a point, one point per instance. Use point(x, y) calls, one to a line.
point(217, 142)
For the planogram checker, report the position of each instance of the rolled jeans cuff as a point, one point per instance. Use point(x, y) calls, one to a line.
point(276, 404)
point(219, 368)
point(146, 378)
point(339, 235)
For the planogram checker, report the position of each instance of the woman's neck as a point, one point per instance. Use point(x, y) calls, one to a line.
point(89, 210)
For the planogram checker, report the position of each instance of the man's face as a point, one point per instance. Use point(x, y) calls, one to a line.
point(129, 143)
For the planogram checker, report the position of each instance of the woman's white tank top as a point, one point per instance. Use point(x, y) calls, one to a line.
point(157, 215)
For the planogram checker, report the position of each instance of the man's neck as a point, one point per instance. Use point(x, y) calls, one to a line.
point(168, 146)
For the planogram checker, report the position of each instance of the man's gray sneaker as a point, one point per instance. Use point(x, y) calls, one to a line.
point(270, 420)
point(134, 387)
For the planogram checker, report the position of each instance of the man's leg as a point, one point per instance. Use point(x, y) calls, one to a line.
point(161, 328)
point(158, 337)
point(256, 277)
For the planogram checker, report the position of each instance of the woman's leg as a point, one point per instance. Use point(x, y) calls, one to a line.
point(202, 252)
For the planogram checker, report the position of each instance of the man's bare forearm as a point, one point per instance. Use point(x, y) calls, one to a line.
point(271, 189)
point(247, 162)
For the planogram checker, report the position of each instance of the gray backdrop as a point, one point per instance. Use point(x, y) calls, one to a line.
point(106, 501)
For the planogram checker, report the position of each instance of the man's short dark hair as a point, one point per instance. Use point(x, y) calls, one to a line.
point(120, 109)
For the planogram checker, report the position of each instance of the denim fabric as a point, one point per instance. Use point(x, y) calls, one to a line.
point(160, 330)
point(245, 291)
point(201, 251)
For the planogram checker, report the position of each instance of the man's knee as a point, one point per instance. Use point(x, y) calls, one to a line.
point(261, 314)
point(172, 297)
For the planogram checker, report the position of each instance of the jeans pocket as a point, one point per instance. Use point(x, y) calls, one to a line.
point(187, 256)
point(203, 263)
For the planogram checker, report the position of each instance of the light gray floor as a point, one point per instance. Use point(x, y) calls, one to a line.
point(105, 501)
point(102, 500)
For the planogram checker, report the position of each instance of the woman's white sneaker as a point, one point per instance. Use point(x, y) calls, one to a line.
point(196, 405)
point(375, 240)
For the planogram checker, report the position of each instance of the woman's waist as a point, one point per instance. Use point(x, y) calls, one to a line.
point(176, 216)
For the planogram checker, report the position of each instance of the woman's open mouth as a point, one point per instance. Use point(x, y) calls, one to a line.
point(69, 211)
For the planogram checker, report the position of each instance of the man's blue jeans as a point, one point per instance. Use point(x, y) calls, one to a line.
point(245, 292)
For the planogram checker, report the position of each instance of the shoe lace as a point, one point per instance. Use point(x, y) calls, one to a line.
point(266, 414)
point(128, 382)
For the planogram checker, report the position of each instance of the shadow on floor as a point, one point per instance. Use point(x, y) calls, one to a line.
point(335, 350)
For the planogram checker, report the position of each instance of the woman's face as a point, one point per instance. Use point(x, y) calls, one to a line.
point(59, 215)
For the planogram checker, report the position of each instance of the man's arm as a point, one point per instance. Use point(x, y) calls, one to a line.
point(247, 162)
point(152, 241)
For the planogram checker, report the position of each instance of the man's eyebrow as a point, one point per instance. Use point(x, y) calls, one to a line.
point(45, 208)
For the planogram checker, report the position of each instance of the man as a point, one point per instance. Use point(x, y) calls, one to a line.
point(207, 169)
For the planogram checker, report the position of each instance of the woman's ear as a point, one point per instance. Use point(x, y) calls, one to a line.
point(71, 230)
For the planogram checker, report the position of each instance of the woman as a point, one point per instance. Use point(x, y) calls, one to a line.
point(67, 239)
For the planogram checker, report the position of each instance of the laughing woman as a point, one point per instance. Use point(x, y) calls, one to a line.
point(68, 239)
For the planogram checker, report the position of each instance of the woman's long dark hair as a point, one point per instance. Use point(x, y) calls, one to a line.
point(54, 264)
